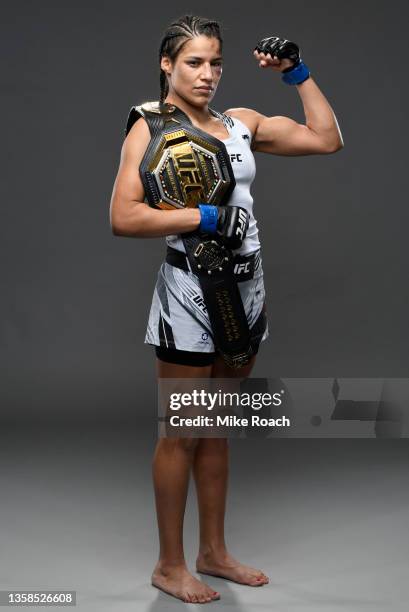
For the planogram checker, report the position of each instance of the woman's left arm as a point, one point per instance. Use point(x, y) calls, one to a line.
point(284, 136)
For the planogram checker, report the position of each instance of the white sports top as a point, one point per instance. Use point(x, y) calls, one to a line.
point(244, 169)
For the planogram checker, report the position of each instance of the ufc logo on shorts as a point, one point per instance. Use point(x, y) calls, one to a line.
point(241, 223)
point(241, 267)
point(236, 157)
point(200, 302)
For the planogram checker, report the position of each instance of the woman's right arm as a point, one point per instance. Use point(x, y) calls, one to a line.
point(129, 215)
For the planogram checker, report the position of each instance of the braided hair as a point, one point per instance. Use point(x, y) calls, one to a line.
point(177, 35)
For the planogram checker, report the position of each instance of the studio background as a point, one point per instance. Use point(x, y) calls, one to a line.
point(78, 384)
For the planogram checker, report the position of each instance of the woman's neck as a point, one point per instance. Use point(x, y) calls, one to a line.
point(199, 115)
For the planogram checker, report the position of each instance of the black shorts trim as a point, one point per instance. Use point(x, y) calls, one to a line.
point(191, 358)
point(188, 358)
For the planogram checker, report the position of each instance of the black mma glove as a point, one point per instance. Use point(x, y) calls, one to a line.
point(228, 222)
point(281, 47)
point(232, 225)
point(282, 51)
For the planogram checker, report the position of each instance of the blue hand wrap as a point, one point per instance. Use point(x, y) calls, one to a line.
point(208, 218)
point(297, 75)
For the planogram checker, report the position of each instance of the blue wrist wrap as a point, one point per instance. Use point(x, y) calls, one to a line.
point(208, 218)
point(296, 75)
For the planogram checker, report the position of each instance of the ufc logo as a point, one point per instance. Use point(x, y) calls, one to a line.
point(186, 168)
point(241, 267)
point(236, 157)
point(242, 222)
point(200, 302)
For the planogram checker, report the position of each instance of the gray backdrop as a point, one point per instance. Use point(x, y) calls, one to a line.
point(75, 301)
point(333, 228)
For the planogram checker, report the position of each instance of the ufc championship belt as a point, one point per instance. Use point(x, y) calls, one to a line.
point(183, 167)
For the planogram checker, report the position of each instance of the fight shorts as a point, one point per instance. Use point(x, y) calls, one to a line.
point(178, 318)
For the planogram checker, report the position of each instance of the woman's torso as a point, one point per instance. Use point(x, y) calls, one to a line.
point(244, 169)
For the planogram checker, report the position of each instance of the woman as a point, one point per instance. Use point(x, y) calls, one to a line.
point(191, 68)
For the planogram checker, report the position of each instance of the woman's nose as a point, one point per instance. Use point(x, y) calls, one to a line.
point(206, 72)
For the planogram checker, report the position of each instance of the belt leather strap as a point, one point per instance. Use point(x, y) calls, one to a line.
point(213, 264)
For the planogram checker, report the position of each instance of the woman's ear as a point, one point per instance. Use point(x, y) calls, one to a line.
point(166, 64)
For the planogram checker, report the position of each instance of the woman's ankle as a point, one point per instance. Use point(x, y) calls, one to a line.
point(212, 550)
point(164, 565)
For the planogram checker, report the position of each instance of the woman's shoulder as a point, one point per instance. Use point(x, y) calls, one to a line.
point(249, 117)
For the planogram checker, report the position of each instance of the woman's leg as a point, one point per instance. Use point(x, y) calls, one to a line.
point(210, 469)
point(171, 469)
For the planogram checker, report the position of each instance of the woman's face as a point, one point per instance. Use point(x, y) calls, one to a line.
point(196, 72)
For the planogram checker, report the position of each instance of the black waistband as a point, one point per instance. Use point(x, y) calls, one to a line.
point(244, 265)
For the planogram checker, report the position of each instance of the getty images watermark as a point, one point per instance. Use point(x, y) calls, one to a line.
point(286, 407)
point(206, 400)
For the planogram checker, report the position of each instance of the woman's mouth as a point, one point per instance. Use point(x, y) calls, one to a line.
point(205, 89)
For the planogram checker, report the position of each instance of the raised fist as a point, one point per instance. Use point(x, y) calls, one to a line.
point(278, 53)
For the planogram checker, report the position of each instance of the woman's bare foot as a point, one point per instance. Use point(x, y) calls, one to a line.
point(176, 580)
point(225, 566)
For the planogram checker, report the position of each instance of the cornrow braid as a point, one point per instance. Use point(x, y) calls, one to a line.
point(177, 35)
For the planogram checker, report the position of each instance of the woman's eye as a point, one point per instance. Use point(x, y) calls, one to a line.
point(195, 63)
